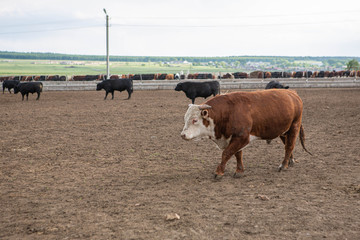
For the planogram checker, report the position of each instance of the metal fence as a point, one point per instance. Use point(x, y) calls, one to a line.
point(224, 84)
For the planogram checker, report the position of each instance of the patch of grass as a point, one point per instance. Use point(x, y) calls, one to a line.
point(51, 67)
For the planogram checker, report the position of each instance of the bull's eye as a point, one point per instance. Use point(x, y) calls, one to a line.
point(194, 121)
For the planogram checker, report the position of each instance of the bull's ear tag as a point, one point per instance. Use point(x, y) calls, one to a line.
point(204, 113)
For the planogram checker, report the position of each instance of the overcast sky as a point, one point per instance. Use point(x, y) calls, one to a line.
point(183, 27)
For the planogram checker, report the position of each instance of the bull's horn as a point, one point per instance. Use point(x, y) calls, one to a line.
point(204, 106)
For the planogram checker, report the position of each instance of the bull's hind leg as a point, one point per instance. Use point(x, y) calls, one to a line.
point(291, 160)
point(239, 164)
point(38, 96)
point(290, 140)
point(129, 94)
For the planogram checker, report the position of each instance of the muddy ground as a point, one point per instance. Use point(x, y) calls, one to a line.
point(73, 166)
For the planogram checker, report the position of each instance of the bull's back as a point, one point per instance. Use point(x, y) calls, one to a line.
point(31, 87)
point(204, 89)
point(121, 84)
point(267, 113)
point(10, 83)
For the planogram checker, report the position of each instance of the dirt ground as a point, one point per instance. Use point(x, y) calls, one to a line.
point(73, 166)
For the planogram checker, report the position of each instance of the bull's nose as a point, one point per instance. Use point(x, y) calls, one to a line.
point(183, 136)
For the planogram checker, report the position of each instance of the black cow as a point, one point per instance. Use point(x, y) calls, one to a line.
point(321, 74)
point(193, 90)
point(116, 84)
point(299, 75)
point(275, 84)
point(9, 84)
point(276, 74)
point(29, 87)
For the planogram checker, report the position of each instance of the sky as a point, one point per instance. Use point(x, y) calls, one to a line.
point(183, 28)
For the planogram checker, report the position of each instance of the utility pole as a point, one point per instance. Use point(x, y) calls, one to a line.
point(107, 46)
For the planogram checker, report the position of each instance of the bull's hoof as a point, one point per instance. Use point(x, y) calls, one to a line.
point(282, 167)
point(217, 176)
point(291, 162)
point(237, 175)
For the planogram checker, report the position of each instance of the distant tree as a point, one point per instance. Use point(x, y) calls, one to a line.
point(353, 65)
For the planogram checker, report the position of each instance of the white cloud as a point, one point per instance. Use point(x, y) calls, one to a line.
point(183, 28)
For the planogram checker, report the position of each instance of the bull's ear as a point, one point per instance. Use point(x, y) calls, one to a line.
point(205, 113)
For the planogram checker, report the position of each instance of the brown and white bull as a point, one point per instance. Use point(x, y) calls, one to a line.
point(235, 119)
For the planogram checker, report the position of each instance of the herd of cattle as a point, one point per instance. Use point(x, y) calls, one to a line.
point(231, 120)
point(32, 84)
point(36, 87)
point(192, 90)
point(167, 76)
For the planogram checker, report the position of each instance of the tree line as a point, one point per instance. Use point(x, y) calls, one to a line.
point(229, 59)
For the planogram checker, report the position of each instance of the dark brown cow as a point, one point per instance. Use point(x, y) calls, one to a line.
point(112, 77)
point(190, 76)
point(241, 75)
point(78, 78)
point(233, 120)
point(256, 74)
point(227, 76)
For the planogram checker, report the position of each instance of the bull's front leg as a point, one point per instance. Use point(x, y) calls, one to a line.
point(235, 145)
point(106, 93)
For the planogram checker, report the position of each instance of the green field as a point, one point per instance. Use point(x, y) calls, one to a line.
point(11, 67)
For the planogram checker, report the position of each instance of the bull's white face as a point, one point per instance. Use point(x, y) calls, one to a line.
point(194, 124)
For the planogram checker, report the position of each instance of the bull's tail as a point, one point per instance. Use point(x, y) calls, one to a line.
point(302, 139)
point(41, 86)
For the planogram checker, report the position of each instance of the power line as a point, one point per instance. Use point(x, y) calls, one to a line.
point(240, 16)
point(181, 26)
point(229, 25)
point(50, 30)
point(43, 23)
